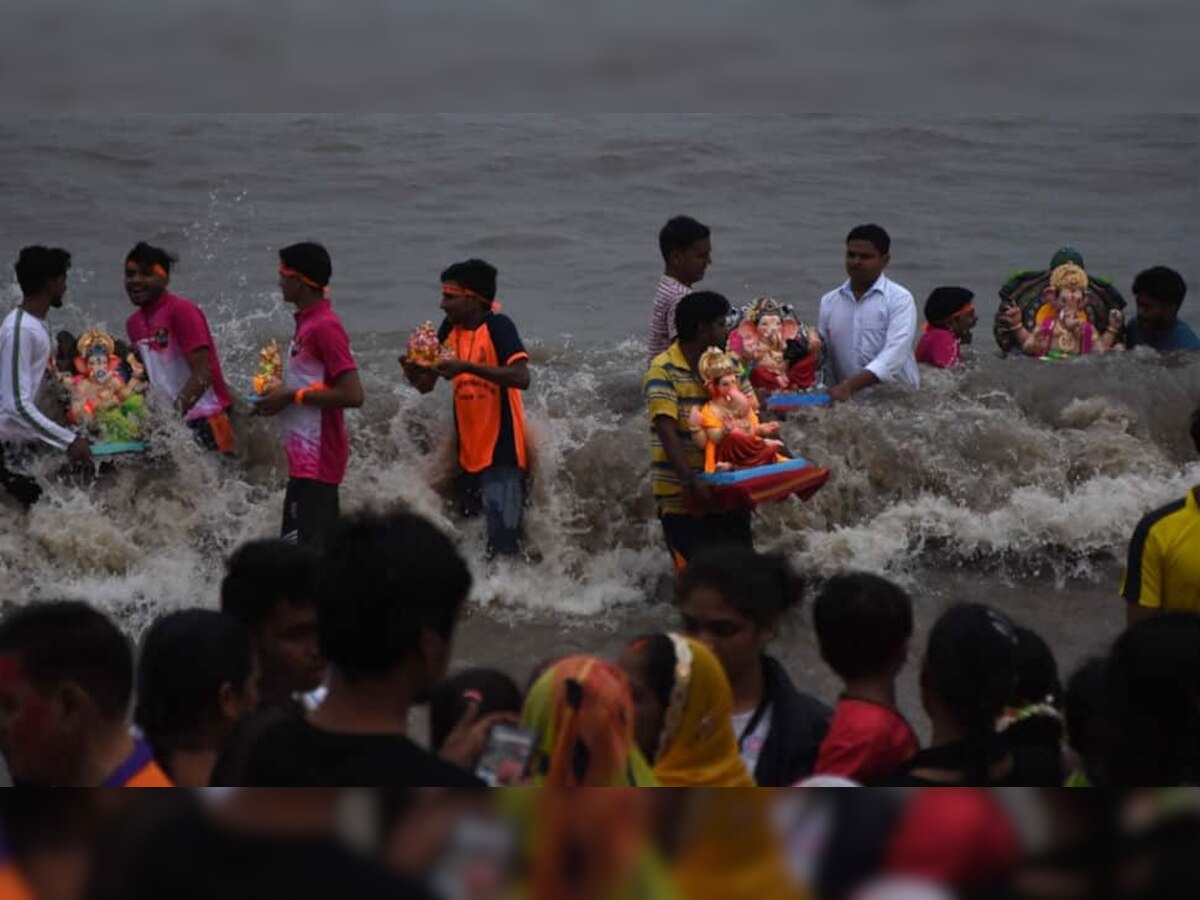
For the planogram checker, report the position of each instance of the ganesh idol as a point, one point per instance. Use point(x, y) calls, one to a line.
point(1062, 328)
point(727, 427)
point(780, 352)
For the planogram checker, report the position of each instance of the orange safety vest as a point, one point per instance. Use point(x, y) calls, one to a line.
point(477, 402)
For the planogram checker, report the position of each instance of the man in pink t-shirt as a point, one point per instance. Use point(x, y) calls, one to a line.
point(949, 316)
point(320, 379)
point(172, 338)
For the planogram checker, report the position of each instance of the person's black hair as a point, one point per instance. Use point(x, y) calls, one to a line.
point(863, 623)
point(679, 234)
point(1083, 703)
point(474, 275)
point(264, 573)
point(874, 235)
point(310, 259)
point(943, 302)
point(1163, 284)
point(65, 640)
point(698, 309)
point(387, 577)
point(760, 586)
point(1037, 671)
point(36, 266)
point(1151, 727)
point(658, 650)
point(970, 663)
point(146, 255)
point(448, 702)
point(185, 659)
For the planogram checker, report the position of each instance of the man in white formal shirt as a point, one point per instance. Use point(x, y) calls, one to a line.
point(869, 323)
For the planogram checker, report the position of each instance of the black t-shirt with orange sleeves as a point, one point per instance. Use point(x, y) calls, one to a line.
point(490, 419)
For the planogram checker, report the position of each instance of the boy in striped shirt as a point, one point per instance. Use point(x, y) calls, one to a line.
point(686, 250)
point(26, 355)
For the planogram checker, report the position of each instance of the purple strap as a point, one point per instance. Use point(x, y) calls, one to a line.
point(134, 763)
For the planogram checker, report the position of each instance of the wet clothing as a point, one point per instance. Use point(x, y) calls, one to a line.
point(687, 535)
point(1180, 337)
point(939, 348)
point(26, 352)
point(165, 333)
point(874, 333)
point(490, 420)
point(213, 432)
point(294, 752)
point(490, 424)
point(1163, 568)
point(866, 740)
point(310, 510)
point(315, 440)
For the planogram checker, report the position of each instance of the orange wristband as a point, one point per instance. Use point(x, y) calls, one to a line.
point(300, 394)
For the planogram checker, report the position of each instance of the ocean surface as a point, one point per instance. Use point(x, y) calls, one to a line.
point(1010, 482)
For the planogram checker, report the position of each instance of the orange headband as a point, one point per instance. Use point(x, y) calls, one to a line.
point(965, 311)
point(457, 290)
point(304, 279)
point(155, 269)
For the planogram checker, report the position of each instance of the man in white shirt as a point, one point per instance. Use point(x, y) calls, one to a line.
point(869, 323)
point(686, 247)
point(26, 352)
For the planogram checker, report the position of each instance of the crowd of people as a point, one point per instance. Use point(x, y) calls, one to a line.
point(327, 638)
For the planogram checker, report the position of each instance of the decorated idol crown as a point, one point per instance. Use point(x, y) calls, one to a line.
point(715, 364)
point(1070, 276)
point(767, 306)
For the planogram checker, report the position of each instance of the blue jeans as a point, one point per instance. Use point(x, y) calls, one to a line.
point(499, 493)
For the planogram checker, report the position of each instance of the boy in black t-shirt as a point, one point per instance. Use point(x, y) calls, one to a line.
point(387, 604)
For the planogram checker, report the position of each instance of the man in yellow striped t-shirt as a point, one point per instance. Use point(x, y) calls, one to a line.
point(673, 389)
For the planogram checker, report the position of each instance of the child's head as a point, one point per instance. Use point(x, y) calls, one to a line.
point(686, 249)
point(494, 691)
point(952, 308)
point(863, 624)
point(733, 600)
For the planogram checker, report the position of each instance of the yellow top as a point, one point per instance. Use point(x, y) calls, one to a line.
point(1163, 569)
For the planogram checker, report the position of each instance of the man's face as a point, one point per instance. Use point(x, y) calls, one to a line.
point(692, 263)
point(715, 333)
point(1154, 315)
point(58, 290)
point(864, 264)
point(962, 326)
point(458, 309)
point(289, 653)
point(289, 286)
point(142, 284)
point(37, 739)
